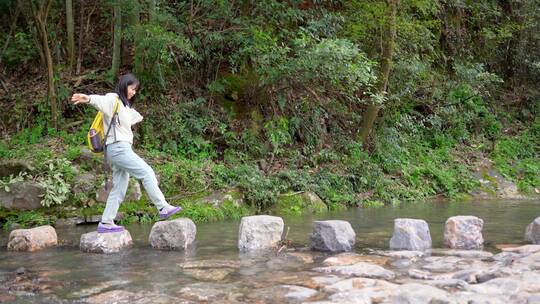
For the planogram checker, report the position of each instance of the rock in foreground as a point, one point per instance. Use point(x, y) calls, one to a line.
point(105, 242)
point(332, 236)
point(463, 232)
point(259, 232)
point(173, 235)
point(410, 234)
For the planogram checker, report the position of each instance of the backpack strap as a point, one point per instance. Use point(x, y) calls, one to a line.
point(111, 125)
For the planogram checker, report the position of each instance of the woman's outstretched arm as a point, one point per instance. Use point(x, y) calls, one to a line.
point(101, 103)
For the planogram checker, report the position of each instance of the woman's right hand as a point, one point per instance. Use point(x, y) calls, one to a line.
point(80, 98)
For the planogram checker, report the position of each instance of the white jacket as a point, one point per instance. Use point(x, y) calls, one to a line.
point(126, 117)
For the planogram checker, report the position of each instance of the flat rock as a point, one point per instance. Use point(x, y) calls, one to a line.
point(367, 295)
point(32, 239)
point(298, 293)
point(305, 258)
point(320, 282)
point(466, 254)
point(404, 254)
point(523, 249)
point(499, 286)
point(420, 274)
point(105, 242)
point(476, 298)
point(209, 274)
point(360, 269)
point(210, 264)
point(359, 283)
point(205, 292)
point(421, 294)
point(442, 264)
point(349, 258)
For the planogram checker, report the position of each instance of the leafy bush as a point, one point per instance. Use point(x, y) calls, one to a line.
point(54, 182)
point(26, 219)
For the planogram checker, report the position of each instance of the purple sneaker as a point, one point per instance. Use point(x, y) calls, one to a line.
point(107, 228)
point(168, 211)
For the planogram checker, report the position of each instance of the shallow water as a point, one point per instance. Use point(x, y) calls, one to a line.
point(143, 269)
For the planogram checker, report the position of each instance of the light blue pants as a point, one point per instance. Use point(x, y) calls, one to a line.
point(125, 162)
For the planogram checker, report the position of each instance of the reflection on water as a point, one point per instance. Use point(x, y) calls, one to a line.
point(144, 269)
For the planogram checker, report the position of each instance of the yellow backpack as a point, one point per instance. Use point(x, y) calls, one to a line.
point(96, 136)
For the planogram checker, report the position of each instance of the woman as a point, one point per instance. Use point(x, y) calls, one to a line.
point(120, 155)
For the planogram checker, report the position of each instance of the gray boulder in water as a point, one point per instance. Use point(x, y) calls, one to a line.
point(105, 242)
point(173, 235)
point(260, 232)
point(333, 236)
point(463, 232)
point(410, 234)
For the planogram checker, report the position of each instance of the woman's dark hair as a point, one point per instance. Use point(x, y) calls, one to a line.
point(121, 88)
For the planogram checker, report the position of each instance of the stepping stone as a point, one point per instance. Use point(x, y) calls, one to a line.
point(332, 236)
point(177, 234)
point(410, 234)
point(532, 232)
point(105, 242)
point(32, 239)
point(463, 232)
point(259, 232)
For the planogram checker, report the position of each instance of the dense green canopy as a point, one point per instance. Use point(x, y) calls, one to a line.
point(360, 101)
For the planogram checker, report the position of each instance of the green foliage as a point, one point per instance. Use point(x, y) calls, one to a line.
point(20, 51)
point(297, 204)
point(277, 131)
point(201, 213)
point(180, 130)
point(26, 219)
point(182, 175)
point(5, 182)
point(268, 96)
point(373, 204)
point(517, 158)
point(54, 182)
point(141, 211)
point(29, 136)
point(158, 49)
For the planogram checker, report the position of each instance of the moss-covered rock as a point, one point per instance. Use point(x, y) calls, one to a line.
point(493, 184)
point(14, 167)
point(299, 203)
point(217, 198)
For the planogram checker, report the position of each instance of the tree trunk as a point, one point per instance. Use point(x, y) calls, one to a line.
point(70, 34)
point(115, 68)
point(81, 37)
point(134, 23)
point(40, 14)
point(386, 65)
